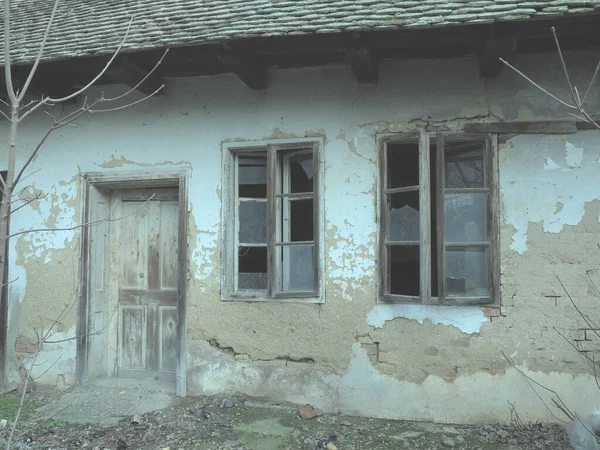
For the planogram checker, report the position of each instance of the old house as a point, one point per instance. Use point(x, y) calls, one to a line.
point(344, 203)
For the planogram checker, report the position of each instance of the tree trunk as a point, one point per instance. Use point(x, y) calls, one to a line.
point(4, 218)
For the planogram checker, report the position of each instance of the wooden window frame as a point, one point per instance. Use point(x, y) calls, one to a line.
point(424, 139)
point(272, 150)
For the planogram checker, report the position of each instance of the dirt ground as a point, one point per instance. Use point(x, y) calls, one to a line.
point(128, 417)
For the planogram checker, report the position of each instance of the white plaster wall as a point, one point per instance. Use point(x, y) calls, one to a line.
point(187, 128)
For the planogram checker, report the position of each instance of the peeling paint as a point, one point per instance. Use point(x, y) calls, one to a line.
point(543, 172)
point(574, 155)
point(467, 319)
point(123, 161)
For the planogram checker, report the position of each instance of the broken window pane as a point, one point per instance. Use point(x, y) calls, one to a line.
point(466, 272)
point(252, 176)
point(465, 217)
point(464, 165)
point(301, 220)
point(403, 219)
point(404, 270)
point(296, 272)
point(301, 172)
point(253, 222)
point(252, 268)
point(402, 165)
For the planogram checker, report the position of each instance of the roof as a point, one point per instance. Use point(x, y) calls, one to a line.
point(95, 27)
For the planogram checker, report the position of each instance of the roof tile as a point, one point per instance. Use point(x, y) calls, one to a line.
point(86, 27)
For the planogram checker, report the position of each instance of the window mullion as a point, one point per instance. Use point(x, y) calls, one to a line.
point(425, 218)
point(439, 170)
point(493, 219)
point(271, 221)
point(384, 279)
point(236, 224)
point(316, 219)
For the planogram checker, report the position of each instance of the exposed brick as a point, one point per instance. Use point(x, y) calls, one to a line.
point(365, 339)
point(491, 312)
point(387, 369)
point(372, 349)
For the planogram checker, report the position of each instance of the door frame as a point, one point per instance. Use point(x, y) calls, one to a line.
point(106, 182)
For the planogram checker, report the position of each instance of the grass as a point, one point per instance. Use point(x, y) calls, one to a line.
point(9, 405)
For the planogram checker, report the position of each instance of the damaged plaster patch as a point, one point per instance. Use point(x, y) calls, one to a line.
point(467, 319)
point(551, 165)
point(574, 155)
point(548, 180)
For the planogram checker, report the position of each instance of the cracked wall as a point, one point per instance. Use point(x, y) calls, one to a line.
point(349, 353)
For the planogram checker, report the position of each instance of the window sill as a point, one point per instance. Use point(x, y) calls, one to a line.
point(307, 300)
point(483, 302)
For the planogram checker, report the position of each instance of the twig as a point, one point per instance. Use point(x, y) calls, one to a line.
point(545, 91)
point(28, 202)
point(25, 383)
point(589, 323)
point(93, 111)
point(530, 380)
point(87, 224)
point(40, 53)
point(134, 88)
point(48, 100)
point(7, 62)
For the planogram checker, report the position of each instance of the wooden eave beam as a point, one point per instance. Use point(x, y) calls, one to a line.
point(530, 127)
point(125, 71)
point(501, 43)
point(363, 60)
point(247, 66)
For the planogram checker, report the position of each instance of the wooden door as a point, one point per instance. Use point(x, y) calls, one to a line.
point(147, 268)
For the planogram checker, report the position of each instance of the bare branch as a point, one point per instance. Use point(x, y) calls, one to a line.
point(591, 85)
point(563, 64)
point(589, 323)
point(87, 224)
point(93, 111)
point(7, 72)
point(9, 282)
point(28, 202)
point(40, 53)
point(48, 369)
point(70, 118)
point(25, 383)
point(545, 91)
point(95, 333)
point(530, 380)
point(141, 81)
point(5, 115)
point(48, 100)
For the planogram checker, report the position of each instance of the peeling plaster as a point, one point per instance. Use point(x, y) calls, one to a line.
point(548, 179)
point(122, 161)
point(361, 389)
point(467, 319)
point(574, 155)
point(46, 371)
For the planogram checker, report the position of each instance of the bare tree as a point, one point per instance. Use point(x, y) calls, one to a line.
point(17, 111)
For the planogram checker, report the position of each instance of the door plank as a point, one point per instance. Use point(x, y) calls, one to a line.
point(134, 248)
point(154, 208)
point(168, 336)
point(169, 252)
point(133, 337)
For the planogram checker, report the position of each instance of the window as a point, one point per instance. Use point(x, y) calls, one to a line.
point(272, 245)
point(439, 224)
